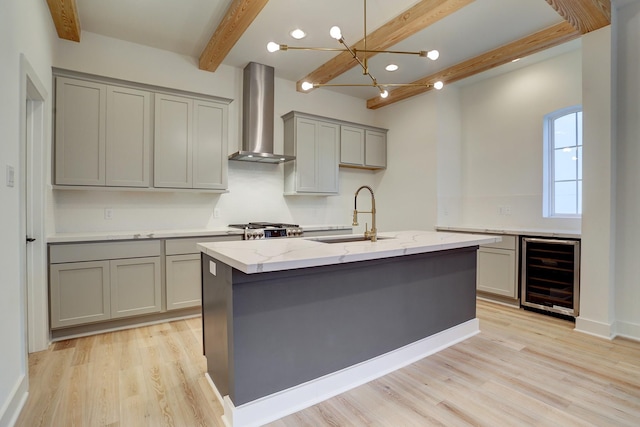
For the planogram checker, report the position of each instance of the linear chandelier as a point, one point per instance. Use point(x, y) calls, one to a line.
point(336, 33)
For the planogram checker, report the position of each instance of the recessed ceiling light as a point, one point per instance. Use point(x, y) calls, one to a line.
point(391, 67)
point(516, 60)
point(298, 34)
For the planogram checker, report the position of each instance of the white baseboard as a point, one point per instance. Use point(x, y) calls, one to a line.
point(595, 328)
point(294, 399)
point(628, 330)
point(10, 410)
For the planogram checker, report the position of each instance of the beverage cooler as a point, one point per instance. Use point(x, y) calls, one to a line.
point(551, 275)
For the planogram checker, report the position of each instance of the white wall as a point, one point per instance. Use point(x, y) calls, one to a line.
point(25, 27)
point(598, 201)
point(406, 195)
point(627, 108)
point(255, 190)
point(502, 122)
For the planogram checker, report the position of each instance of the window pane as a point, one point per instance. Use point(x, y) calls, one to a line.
point(565, 198)
point(579, 162)
point(579, 116)
point(565, 164)
point(564, 131)
point(580, 197)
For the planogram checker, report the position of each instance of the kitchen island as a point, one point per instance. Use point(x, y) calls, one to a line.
point(290, 322)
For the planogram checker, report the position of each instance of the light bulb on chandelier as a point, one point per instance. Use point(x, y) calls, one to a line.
point(336, 34)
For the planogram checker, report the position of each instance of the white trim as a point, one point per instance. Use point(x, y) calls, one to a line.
point(33, 149)
point(294, 399)
point(627, 330)
point(595, 328)
point(10, 411)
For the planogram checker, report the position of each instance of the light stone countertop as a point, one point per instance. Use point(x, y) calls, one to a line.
point(535, 232)
point(258, 256)
point(165, 234)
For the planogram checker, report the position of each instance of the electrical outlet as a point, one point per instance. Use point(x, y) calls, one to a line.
point(108, 213)
point(11, 176)
point(216, 213)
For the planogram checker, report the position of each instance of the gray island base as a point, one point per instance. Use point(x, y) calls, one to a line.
point(279, 341)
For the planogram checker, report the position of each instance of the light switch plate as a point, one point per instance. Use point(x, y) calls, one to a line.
point(11, 176)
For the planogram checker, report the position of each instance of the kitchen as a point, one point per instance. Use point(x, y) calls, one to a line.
point(416, 125)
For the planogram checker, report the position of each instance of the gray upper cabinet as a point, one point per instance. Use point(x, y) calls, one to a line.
point(351, 145)
point(363, 148)
point(103, 134)
point(80, 132)
point(375, 143)
point(190, 148)
point(173, 144)
point(210, 152)
point(114, 135)
point(315, 144)
point(129, 133)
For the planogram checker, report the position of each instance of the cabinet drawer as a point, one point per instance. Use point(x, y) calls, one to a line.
point(508, 242)
point(190, 245)
point(102, 251)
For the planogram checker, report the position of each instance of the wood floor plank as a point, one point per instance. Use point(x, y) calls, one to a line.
point(523, 368)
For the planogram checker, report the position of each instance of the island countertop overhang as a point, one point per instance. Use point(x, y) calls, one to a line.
point(261, 256)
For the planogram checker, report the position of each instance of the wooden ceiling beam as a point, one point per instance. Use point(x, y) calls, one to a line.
point(584, 15)
point(65, 18)
point(235, 22)
point(549, 37)
point(399, 28)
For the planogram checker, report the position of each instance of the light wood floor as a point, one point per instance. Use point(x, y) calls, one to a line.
point(523, 369)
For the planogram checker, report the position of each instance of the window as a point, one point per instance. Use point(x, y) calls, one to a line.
point(563, 163)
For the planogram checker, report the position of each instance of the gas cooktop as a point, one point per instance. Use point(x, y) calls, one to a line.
point(267, 230)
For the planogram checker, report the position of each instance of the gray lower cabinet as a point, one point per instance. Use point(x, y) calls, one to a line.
point(497, 268)
point(79, 293)
point(183, 281)
point(94, 282)
point(182, 270)
point(135, 286)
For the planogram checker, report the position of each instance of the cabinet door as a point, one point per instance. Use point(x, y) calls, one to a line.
point(173, 143)
point(183, 281)
point(128, 139)
point(375, 149)
point(79, 293)
point(496, 271)
point(351, 145)
point(80, 132)
point(306, 148)
point(135, 286)
point(328, 152)
point(209, 145)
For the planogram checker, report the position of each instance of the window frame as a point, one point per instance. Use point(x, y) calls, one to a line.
point(549, 145)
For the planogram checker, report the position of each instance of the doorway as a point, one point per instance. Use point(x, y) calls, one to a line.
point(32, 207)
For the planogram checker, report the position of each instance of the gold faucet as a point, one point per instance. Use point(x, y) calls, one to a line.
point(368, 234)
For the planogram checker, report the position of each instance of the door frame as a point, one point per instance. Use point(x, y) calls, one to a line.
point(34, 133)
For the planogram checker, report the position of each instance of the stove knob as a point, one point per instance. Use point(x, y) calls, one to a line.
point(261, 235)
point(289, 232)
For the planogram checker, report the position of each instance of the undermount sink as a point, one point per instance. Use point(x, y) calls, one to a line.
point(339, 239)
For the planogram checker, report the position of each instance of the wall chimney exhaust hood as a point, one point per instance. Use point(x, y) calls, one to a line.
point(257, 116)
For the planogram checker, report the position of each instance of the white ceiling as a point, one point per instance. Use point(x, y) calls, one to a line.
point(185, 27)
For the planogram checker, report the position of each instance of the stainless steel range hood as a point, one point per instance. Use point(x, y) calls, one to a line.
point(257, 116)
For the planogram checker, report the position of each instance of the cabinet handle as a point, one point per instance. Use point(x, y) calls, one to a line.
point(31, 239)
